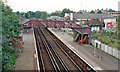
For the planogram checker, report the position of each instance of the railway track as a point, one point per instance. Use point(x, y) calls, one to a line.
point(54, 55)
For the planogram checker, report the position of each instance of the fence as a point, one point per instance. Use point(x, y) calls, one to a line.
point(110, 50)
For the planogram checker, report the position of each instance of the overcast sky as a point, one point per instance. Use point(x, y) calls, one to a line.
point(53, 5)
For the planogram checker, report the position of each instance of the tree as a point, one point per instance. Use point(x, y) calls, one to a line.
point(118, 30)
point(92, 11)
point(44, 15)
point(18, 13)
point(22, 14)
point(31, 14)
point(9, 33)
point(118, 33)
point(99, 12)
point(27, 15)
point(37, 14)
point(56, 14)
point(110, 10)
point(65, 10)
point(79, 12)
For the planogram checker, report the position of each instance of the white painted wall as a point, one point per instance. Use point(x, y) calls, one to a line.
point(67, 14)
point(105, 21)
point(95, 28)
point(106, 48)
point(71, 16)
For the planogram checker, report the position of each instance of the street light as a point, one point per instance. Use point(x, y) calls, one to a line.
point(100, 56)
point(101, 40)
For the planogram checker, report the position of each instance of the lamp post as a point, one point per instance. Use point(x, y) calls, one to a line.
point(100, 56)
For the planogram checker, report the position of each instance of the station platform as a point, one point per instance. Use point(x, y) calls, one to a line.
point(27, 59)
point(85, 52)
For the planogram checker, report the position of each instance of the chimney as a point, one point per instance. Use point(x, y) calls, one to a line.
point(106, 9)
point(97, 9)
point(102, 9)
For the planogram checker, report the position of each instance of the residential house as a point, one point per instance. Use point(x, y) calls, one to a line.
point(106, 18)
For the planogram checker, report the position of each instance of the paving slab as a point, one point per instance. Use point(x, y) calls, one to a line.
point(85, 52)
point(26, 60)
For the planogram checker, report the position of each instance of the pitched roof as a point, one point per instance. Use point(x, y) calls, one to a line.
point(24, 21)
point(95, 22)
point(65, 18)
point(110, 10)
point(92, 16)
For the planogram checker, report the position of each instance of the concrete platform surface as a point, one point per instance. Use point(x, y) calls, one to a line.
point(85, 51)
point(26, 60)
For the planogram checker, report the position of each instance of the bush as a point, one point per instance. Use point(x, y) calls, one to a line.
point(108, 38)
point(9, 32)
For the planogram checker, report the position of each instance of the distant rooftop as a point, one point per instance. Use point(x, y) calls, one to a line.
point(58, 12)
point(24, 21)
point(54, 17)
point(92, 16)
point(110, 10)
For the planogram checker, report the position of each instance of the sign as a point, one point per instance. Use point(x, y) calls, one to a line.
point(109, 24)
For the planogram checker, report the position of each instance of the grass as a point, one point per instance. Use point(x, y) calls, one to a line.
point(107, 38)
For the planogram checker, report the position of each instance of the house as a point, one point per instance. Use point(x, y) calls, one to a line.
point(113, 13)
point(106, 18)
point(24, 22)
point(103, 11)
point(82, 11)
point(67, 18)
point(95, 24)
point(58, 12)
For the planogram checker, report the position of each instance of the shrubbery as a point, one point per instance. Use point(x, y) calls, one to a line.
point(9, 33)
point(108, 38)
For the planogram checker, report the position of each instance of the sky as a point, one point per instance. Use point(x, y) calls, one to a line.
point(56, 5)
